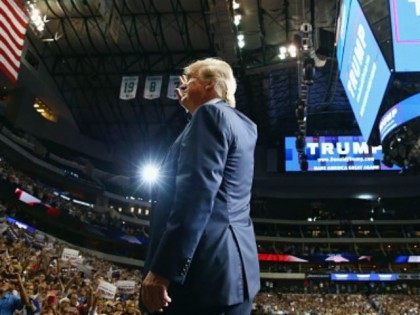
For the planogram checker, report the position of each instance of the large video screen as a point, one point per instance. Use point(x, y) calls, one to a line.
point(399, 114)
point(341, 31)
point(364, 72)
point(348, 153)
point(405, 20)
point(414, 259)
point(364, 276)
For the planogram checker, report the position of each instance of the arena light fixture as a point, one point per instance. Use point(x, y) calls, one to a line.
point(150, 173)
point(235, 5)
point(44, 110)
point(237, 19)
point(36, 20)
point(241, 40)
point(282, 52)
point(292, 50)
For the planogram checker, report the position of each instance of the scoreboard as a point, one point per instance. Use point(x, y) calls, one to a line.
point(364, 71)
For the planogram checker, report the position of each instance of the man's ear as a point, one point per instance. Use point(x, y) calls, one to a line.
point(209, 86)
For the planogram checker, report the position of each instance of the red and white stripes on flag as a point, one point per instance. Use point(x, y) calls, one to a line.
point(13, 24)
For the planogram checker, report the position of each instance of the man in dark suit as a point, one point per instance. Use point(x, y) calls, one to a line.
point(202, 255)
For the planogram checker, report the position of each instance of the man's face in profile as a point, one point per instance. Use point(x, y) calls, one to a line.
point(192, 92)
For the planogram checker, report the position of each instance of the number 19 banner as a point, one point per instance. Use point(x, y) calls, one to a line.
point(129, 87)
point(152, 87)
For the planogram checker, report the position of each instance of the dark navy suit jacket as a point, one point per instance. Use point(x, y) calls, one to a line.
point(202, 238)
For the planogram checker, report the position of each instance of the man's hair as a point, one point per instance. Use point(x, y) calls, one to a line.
point(218, 71)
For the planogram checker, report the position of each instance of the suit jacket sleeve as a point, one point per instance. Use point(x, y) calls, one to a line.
point(201, 163)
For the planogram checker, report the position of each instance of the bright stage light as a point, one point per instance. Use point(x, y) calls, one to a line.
point(150, 173)
point(235, 5)
point(237, 19)
point(292, 50)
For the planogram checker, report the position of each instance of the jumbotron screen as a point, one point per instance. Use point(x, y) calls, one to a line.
point(341, 31)
point(399, 114)
point(347, 153)
point(364, 72)
point(405, 20)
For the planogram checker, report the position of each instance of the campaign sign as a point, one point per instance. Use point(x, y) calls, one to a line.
point(405, 21)
point(126, 286)
point(107, 290)
point(399, 114)
point(86, 269)
point(69, 253)
point(346, 153)
point(364, 72)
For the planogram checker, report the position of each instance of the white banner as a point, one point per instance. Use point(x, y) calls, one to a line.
point(107, 289)
point(128, 88)
point(152, 87)
point(126, 286)
point(69, 253)
point(173, 84)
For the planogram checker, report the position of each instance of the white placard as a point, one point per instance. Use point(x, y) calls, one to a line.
point(76, 261)
point(152, 87)
point(107, 289)
point(126, 286)
point(86, 269)
point(69, 253)
point(128, 88)
point(173, 84)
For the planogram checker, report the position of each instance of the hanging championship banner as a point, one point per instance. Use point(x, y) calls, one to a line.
point(128, 88)
point(152, 87)
point(173, 84)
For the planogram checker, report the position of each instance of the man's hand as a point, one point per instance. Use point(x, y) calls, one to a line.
point(155, 292)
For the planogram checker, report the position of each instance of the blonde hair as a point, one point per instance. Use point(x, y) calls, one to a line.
point(218, 71)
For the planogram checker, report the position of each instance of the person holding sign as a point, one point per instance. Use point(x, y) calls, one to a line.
point(202, 256)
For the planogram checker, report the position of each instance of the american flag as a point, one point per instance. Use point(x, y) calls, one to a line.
point(13, 25)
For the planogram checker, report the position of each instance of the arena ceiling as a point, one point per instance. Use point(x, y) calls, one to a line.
point(88, 45)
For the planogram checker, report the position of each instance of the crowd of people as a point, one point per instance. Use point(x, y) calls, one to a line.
point(108, 218)
point(36, 278)
point(396, 304)
point(336, 304)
